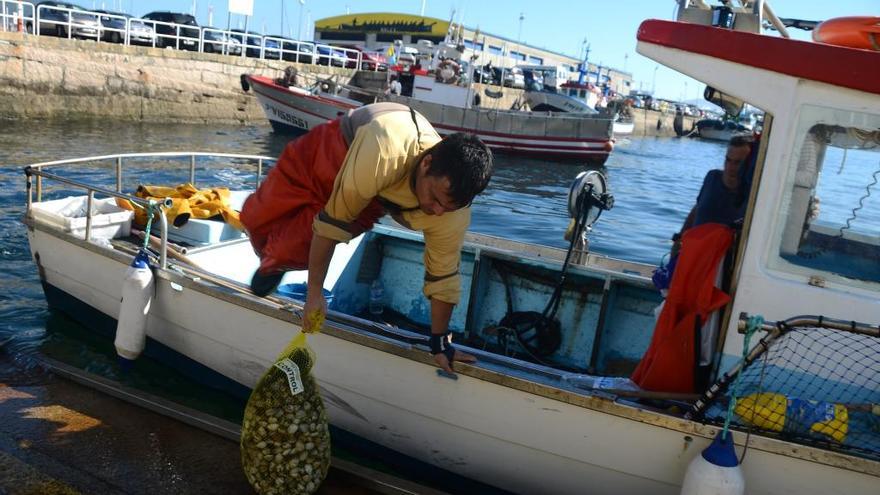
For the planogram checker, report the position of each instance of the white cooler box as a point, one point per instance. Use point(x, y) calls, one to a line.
point(69, 214)
point(199, 232)
point(203, 232)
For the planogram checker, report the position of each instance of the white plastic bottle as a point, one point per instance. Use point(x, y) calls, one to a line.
point(137, 294)
point(377, 297)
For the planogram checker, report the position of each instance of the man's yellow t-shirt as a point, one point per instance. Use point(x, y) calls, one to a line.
point(381, 162)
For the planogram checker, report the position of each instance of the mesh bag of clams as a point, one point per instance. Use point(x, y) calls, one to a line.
point(285, 442)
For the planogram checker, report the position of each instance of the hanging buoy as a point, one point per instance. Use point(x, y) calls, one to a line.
point(854, 31)
point(137, 293)
point(715, 471)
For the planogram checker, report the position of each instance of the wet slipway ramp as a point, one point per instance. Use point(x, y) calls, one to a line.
point(64, 430)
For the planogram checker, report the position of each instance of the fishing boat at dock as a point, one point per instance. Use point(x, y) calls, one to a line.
point(555, 400)
point(444, 96)
point(555, 136)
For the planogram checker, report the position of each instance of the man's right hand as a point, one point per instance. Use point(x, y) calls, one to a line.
point(445, 364)
point(315, 303)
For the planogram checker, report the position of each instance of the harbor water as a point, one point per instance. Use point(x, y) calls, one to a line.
point(654, 181)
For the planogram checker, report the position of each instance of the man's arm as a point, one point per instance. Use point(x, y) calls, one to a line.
point(689, 221)
point(441, 313)
point(320, 254)
point(676, 238)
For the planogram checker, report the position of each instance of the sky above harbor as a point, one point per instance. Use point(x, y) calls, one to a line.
point(609, 28)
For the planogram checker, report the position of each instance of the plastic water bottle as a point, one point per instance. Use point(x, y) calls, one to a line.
point(377, 297)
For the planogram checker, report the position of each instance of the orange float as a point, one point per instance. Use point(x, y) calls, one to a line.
point(854, 32)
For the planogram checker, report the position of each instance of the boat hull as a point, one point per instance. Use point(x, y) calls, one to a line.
point(387, 392)
point(559, 138)
point(623, 128)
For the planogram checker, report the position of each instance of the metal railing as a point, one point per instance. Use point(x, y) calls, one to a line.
point(35, 174)
point(14, 16)
point(69, 23)
point(175, 34)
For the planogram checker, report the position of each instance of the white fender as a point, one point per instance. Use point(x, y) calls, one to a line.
point(137, 294)
point(715, 471)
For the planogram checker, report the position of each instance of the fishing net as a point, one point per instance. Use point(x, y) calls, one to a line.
point(285, 441)
point(813, 386)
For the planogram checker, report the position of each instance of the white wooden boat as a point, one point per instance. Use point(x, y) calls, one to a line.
point(507, 421)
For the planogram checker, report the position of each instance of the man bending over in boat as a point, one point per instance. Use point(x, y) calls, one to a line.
point(334, 183)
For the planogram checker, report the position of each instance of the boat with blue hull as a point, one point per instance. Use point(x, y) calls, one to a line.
point(556, 398)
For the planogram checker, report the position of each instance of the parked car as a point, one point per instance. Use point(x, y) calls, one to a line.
point(293, 50)
point(374, 61)
point(636, 101)
point(513, 77)
point(184, 35)
point(254, 44)
point(216, 41)
point(114, 24)
point(484, 74)
point(55, 18)
point(330, 56)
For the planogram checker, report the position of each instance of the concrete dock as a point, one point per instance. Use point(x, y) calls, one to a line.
point(61, 437)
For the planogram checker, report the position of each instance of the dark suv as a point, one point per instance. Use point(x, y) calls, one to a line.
point(187, 30)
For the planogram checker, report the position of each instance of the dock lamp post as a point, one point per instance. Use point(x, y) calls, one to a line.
point(519, 33)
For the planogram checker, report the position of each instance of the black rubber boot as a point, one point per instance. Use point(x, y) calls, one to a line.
point(263, 285)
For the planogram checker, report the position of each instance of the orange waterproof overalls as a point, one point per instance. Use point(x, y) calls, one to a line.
point(279, 215)
point(670, 362)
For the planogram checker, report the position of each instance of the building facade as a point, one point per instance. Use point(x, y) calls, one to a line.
point(378, 31)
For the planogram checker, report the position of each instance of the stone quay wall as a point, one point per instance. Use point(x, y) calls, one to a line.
point(54, 78)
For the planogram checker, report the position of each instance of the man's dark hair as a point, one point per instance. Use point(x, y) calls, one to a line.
point(466, 162)
point(742, 140)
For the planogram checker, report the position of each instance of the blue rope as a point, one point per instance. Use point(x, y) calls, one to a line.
point(752, 325)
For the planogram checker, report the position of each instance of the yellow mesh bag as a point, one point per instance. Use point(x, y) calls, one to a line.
point(285, 441)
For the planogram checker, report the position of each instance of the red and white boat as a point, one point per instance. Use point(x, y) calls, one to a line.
point(581, 138)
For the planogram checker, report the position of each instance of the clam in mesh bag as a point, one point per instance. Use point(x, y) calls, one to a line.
point(285, 441)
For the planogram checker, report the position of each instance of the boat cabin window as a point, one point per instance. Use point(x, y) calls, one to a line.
point(830, 215)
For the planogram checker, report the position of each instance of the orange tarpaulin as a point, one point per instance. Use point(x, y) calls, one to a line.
point(669, 363)
point(187, 202)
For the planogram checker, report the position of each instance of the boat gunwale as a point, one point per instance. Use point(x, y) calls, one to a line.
point(595, 400)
